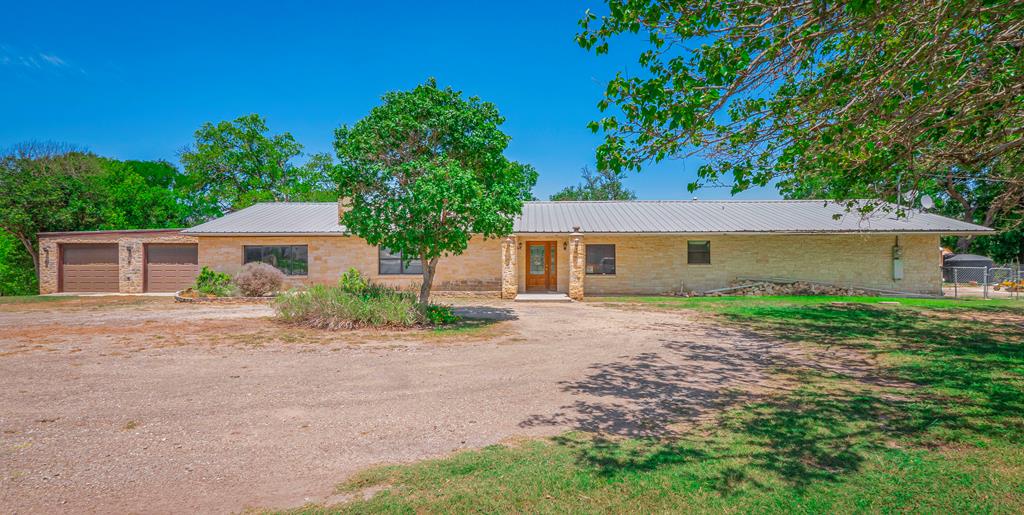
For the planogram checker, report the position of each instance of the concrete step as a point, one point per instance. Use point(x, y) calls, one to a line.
point(542, 297)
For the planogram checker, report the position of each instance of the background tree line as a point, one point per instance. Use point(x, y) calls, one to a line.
point(59, 187)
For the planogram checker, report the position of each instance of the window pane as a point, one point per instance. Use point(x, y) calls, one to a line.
point(290, 259)
point(536, 259)
point(600, 259)
point(698, 252)
point(385, 253)
point(392, 263)
point(390, 266)
point(413, 267)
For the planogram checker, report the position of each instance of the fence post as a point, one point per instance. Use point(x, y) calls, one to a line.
point(984, 286)
point(956, 281)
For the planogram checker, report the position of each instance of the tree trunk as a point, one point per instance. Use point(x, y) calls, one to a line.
point(963, 244)
point(429, 267)
point(31, 251)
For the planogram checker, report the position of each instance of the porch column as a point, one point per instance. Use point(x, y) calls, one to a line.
point(129, 266)
point(509, 275)
point(577, 263)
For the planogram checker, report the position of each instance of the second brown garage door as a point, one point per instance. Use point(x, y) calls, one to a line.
point(171, 268)
point(89, 267)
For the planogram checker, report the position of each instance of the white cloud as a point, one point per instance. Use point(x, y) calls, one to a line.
point(52, 59)
point(9, 56)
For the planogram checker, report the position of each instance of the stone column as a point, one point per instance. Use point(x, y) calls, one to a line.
point(577, 264)
point(509, 271)
point(130, 266)
point(49, 257)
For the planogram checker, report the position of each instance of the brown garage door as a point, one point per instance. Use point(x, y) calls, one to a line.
point(171, 267)
point(89, 267)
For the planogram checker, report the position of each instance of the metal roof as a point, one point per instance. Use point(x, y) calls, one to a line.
point(724, 216)
point(638, 216)
point(276, 218)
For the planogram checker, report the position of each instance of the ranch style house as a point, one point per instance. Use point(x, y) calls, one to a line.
point(577, 248)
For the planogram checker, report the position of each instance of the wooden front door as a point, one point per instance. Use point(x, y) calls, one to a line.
point(540, 266)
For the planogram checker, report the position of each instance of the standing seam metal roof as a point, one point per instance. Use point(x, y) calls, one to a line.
point(662, 216)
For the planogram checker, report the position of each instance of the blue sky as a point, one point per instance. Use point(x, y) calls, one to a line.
point(134, 80)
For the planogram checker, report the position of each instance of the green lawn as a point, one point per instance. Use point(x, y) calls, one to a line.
point(939, 428)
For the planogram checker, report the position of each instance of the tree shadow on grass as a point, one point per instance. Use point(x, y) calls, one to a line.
point(938, 380)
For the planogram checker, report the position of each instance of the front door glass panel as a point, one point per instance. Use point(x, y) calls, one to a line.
point(537, 259)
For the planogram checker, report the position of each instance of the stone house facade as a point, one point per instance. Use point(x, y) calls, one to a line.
point(576, 248)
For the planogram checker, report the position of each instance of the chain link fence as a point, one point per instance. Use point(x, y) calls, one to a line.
point(1002, 282)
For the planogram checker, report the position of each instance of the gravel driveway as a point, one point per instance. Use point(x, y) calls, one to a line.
point(143, 405)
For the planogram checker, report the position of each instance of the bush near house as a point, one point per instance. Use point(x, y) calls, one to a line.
point(211, 282)
point(258, 280)
point(357, 302)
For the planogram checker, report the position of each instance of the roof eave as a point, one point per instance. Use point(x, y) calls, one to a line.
point(755, 233)
point(267, 234)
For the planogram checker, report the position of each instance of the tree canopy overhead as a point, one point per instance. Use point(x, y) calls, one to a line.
point(425, 171)
point(845, 94)
point(601, 185)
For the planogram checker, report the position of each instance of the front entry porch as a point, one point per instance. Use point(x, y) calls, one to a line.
point(543, 264)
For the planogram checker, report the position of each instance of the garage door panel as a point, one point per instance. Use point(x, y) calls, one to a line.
point(169, 277)
point(171, 267)
point(89, 268)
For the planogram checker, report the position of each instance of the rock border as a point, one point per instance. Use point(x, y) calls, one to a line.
point(222, 300)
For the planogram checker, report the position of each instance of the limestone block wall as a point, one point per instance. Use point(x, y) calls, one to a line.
point(657, 264)
point(477, 269)
point(129, 249)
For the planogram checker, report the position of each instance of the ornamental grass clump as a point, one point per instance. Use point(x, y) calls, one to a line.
point(259, 279)
point(354, 302)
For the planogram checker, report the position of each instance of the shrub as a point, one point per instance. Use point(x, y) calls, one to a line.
point(353, 282)
point(259, 279)
point(331, 307)
point(440, 315)
point(214, 283)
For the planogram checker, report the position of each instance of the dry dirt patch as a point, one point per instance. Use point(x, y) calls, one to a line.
point(160, 407)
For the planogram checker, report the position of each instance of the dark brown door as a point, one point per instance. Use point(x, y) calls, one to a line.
point(171, 268)
point(89, 267)
point(540, 266)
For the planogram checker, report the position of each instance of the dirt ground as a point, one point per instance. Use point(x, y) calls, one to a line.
point(131, 404)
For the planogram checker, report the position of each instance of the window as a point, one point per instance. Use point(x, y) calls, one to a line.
point(395, 263)
point(698, 252)
point(290, 259)
point(600, 259)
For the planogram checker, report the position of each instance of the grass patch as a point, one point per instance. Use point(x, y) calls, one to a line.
point(727, 304)
point(31, 299)
point(938, 427)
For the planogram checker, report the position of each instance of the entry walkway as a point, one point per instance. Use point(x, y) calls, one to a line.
point(543, 297)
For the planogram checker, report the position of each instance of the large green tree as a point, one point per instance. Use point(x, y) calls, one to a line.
point(885, 95)
point(55, 187)
point(425, 171)
point(601, 185)
point(48, 187)
point(234, 164)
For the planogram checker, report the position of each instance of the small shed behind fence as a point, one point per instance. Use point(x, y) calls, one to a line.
point(969, 265)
